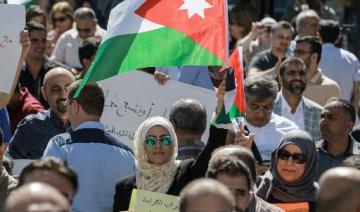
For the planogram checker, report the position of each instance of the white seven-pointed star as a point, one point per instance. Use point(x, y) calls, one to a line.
point(195, 7)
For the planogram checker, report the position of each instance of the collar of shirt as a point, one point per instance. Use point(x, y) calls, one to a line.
point(58, 123)
point(90, 124)
point(352, 149)
point(286, 107)
point(316, 79)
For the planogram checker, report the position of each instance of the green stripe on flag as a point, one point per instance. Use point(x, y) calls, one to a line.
point(161, 47)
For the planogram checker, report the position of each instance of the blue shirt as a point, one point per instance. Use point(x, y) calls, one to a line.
point(33, 134)
point(99, 161)
point(5, 124)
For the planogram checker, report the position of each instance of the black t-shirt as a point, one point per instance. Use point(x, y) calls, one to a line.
point(263, 61)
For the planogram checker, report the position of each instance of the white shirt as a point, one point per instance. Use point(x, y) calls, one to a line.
point(66, 50)
point(268, 137)
point(297, 117)
point(341, 66)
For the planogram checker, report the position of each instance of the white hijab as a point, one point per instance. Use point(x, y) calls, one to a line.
point(153, 177)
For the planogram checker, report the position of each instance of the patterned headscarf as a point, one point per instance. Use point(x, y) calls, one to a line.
point(154, 177)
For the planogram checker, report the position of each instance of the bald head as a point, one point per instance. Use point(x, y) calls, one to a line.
point(339, 190)
point(55, 90)
point(36, 197)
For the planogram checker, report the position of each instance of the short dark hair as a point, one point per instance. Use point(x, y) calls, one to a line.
point(292, 60)
point(230, 166)
point(282, 25)
point(91, 97)
point(35, 26)
point(88, 48)
point(260, 87)
point(50, 164)
point(189, 115)
point(33, 11)
point(347, 107)
point(329, 31)
point(315, 45)
point(352, 161)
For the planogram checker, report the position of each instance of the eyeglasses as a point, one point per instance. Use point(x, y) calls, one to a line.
point(150, 140)
point(298, 158)
point(60, 19)
point(87, 30)
point(301, 52)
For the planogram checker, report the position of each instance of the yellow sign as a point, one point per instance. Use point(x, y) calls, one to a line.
point(146, 201)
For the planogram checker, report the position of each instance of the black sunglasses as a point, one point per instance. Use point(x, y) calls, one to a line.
point(298, 158)
point(87, 30)
point(60, 19)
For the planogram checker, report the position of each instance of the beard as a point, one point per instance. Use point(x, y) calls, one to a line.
point(296, 87)
point(61, 105)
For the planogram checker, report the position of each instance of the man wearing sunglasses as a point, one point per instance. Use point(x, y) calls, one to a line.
point(98, 158)
point(67, 47)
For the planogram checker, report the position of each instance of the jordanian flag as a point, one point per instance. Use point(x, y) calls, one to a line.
point(155, 33)
point(234, 105)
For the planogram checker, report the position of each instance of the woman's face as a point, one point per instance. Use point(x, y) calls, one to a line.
point(291, 168)
point(236, 31)
point(61, 21)
point(160, 152)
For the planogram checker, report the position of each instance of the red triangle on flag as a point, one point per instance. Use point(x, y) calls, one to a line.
point(209, 31)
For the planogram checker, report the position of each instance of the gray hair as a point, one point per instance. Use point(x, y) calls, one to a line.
point(83, 13)
point(260, 87)
point(305, 14)
point(188, 115)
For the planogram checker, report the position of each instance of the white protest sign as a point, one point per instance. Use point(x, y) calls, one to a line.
point(134, 96)
point(12, 22)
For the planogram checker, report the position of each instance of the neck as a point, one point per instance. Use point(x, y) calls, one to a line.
point(292, 99)
point(311, 72)
point(187, 138)
point(337, 147)
point(34, 66)
point(80, 120)
point(277, 52)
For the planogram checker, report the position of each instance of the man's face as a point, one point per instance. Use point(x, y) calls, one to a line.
point(258, 111)
point(240, 189)
point(85, 27)
point(56, 91)
point(303, 51)
point(61, 183)
point(294, 79)
point(281, 39)
point(310, 27)
point(334, 124)
point(38, 44)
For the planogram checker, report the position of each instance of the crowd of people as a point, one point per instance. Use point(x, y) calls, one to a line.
point(298, 144)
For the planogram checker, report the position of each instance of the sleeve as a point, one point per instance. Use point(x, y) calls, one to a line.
point(54, 150)
point(59, 51)
point(122, 196)
point(217, 138)
point(18, 146)
point(5, 125)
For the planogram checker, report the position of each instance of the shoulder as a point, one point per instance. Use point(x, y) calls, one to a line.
point(61, 139)
point(128, 181)
point(34, 119)
point(115, 142)
point(311, 104)
point(70, 34)
point(282, 122)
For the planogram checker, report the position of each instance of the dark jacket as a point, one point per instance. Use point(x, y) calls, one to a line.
point(188, 170)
